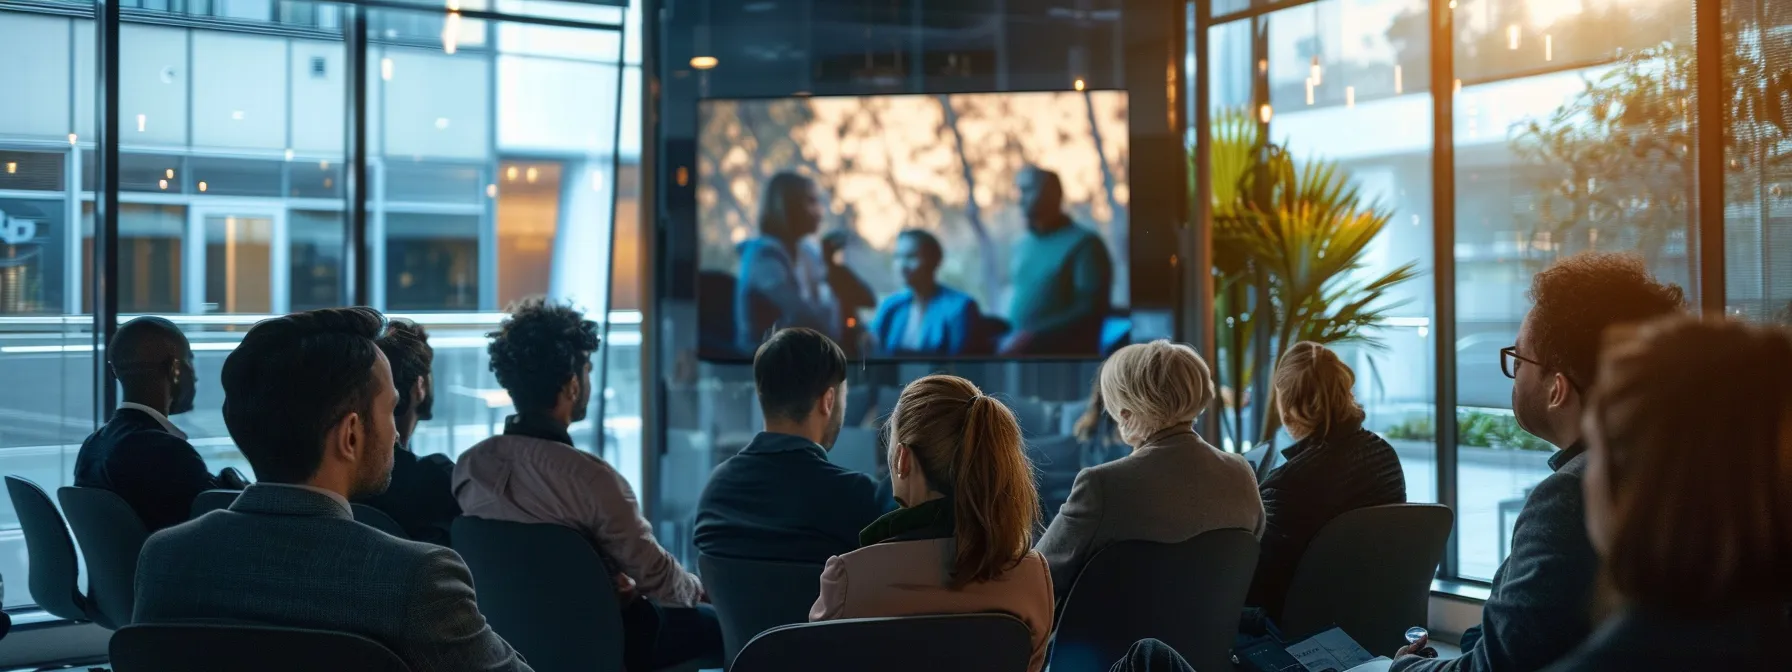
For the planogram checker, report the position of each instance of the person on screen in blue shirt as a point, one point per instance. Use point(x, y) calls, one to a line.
point(926, 317)
point(1060, 273)
point(782, 280)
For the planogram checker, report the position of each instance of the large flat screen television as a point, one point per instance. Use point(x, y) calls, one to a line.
point(978, 225)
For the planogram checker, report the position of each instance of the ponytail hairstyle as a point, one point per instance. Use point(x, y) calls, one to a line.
point(1314, 387)
point(969, 447)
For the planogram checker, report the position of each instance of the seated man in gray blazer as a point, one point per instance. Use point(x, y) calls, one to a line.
point(1172, 487)
point(308, 399)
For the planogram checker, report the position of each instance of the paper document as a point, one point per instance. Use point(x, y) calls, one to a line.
point(1329, 651)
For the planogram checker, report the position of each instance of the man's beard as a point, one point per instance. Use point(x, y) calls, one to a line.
point(583, 407)
point(426, 409)
point(373, 479)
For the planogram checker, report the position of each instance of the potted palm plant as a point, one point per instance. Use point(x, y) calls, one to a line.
point(1289, 238)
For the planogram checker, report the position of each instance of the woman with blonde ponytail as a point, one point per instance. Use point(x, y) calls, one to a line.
point(960, 543)
point(1334, 466)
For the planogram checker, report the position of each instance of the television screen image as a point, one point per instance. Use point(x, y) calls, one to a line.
point(916, 226)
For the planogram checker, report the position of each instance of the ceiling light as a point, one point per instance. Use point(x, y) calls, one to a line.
point(1266, 113)
point(386, 69)
point(142, 121)
point(71, 138)
point(510, 173)
point(1318, 72)
point(531, 174)
point(288, 155)
point(12, 167)
point(704, 62)
point(162, 183)
point(491, 191)
point(201, 186)
point(451, 31)
point(168, 173)
point(1078, 84)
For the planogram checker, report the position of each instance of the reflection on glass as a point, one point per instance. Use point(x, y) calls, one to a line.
point(1595, 158)
point(238, 264)
point(1758, 216)
point(432, 262)
point(315, 259)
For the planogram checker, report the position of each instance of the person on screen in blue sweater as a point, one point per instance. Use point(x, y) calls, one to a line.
point(1060, 273)
point(926, 317)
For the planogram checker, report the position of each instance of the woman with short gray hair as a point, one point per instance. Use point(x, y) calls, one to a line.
point(1153, 391)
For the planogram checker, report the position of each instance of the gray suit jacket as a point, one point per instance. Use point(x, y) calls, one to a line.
point(1171, 489)
point(283, 555)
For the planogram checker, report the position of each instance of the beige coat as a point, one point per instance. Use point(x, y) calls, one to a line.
point(1171, 489)
point(911, 578)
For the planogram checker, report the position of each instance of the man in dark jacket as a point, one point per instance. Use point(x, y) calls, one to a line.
point(1539, 609)
point(139, 454)
point(781, 499)
point(421, 496)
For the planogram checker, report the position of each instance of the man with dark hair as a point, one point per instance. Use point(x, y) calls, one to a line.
point(421, 497)
point(780, 498)
point(139, 454)
point(1539, 609)
point(309, 399)
point(1061, 275)
point(532, 473)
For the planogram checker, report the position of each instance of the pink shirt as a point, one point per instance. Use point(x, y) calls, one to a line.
point(527, 480)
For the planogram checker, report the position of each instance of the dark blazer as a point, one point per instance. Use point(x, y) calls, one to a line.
point(421, 496)
point(285, 555)
point(1543, 593)
point(156, 472)
point(1324, 476)
point(1647, 639)
point(780, 499)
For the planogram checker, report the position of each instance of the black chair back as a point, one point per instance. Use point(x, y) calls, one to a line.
point(544, 589)
point(377, 519)
point(54, 574)
point(1187, 594)
point(209, 647)
point(212, 500)
point(945, 643)
point(111, 537)
point(753, 596)
point(1369, 572)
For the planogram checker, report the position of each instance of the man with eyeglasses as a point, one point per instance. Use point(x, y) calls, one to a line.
point(1540, 606)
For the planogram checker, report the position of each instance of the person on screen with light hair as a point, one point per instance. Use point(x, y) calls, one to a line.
point(1173, 486)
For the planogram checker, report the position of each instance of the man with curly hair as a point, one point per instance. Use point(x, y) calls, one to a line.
point(531, 473)
point(1540, 607)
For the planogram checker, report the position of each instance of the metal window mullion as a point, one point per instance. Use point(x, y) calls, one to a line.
point(1708, 42)
point(354, 183)
point(105, 216)
point(1443, 274)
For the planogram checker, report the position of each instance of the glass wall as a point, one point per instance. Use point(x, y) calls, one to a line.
point(497, 148)
point(1757, 207)
point(1572, 130)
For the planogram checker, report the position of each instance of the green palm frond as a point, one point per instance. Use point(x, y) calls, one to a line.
point(1289, 238)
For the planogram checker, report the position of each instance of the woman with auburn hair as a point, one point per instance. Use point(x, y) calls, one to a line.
point(1334, 466)
point(1689, 498)
point(960, 541)
point(1173, 486)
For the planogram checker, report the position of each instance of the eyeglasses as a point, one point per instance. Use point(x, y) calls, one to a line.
point(1509, 360)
